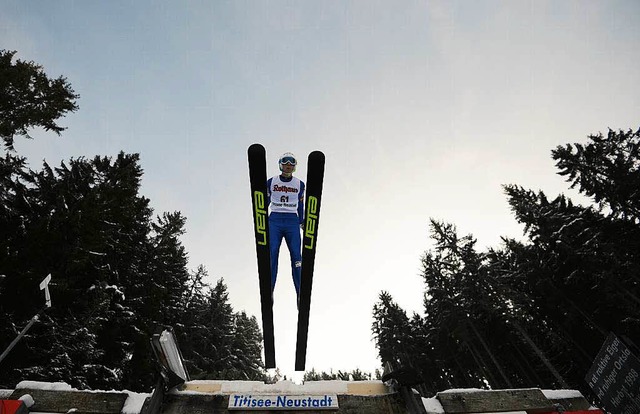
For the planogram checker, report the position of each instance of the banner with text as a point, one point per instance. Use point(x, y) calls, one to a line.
point(615, 377)
point(283, 402)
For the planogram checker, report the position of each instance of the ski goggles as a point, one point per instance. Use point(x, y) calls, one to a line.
point(288, 160)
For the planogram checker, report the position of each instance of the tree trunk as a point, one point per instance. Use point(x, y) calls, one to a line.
point(482, 366)
point(541, 355)
point(536, 380)
point(486, 348)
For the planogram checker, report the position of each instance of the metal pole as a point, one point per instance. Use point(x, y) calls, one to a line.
point(44, 285)
point(20, 335)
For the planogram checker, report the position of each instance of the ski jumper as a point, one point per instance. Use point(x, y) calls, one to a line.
point(285, 196)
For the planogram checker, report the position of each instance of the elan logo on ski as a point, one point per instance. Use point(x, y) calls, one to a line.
point(260, 216)
point(310, 222)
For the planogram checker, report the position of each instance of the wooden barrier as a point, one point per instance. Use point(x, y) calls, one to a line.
point(56, 401)
point(212, 397)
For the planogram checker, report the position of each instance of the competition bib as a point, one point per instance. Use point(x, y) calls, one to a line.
point(284, 195)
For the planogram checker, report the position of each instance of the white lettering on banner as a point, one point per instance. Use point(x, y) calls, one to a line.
point(283, 402)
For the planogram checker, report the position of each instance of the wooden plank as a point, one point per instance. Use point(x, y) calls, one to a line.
point(479, 401)
point(56, 401)
point(367, 388)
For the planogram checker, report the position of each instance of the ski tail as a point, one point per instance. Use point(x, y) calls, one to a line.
point(258, 178)
point(313, 198)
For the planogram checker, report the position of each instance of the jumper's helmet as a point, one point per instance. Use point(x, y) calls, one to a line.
point(287, 158)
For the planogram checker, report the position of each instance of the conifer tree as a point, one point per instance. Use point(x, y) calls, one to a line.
point(29, 98)
point(534, 312)
point(118, 274)
point(606, 169)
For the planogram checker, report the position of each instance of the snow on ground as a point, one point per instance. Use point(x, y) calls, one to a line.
point(28, 400)
point(432, 405)
point(38, 385)
point(133, 404)
point(561, 394)
point(461, 390)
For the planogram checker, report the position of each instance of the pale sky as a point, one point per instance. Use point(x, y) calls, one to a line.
point(423, 109)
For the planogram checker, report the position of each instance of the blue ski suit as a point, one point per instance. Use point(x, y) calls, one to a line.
point(285, 196)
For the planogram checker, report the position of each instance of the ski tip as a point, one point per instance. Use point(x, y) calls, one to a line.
point(316, 155)
point(256, 147)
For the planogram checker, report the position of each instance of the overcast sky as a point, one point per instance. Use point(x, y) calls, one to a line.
point(423, 109)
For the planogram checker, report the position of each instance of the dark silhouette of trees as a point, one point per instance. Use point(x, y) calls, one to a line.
point(118, 273)
point(531, 313)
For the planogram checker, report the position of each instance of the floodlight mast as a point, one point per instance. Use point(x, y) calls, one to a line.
point(44, 285)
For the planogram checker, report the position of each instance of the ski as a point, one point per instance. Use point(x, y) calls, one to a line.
point(258, 178)
point(313, 197)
